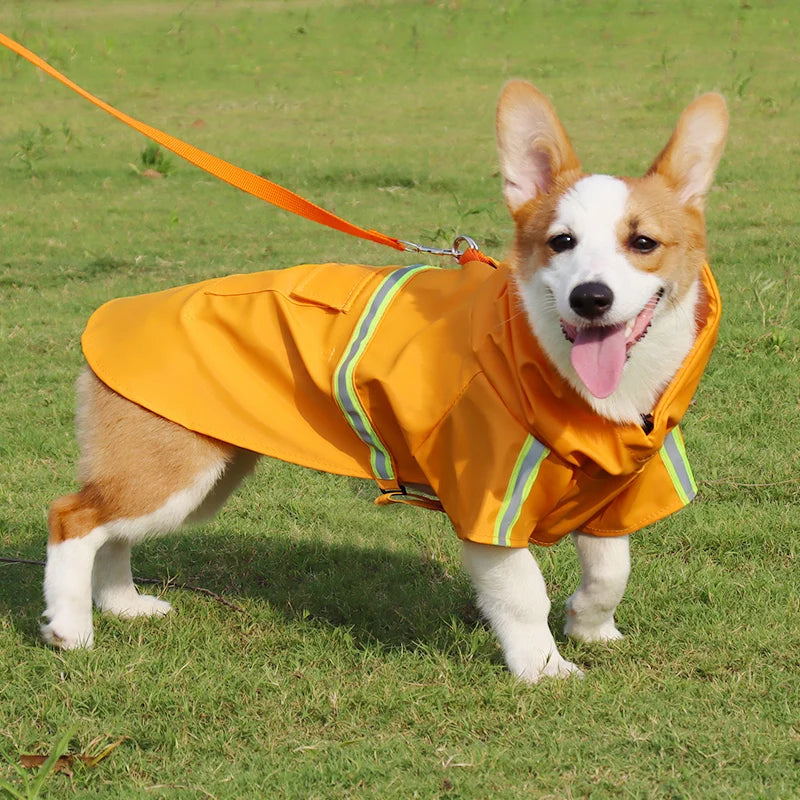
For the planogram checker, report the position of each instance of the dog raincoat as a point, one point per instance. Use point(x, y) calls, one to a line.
point(427, 380)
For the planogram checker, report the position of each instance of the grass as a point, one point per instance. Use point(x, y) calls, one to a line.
point(358, 666)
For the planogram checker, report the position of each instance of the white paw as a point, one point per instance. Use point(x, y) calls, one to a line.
point(132, 604)
point(581, 631)
point(558, 667)
point(545, 665)
point(68, 634)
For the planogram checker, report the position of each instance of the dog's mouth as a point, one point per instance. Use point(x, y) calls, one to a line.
point(599, 352)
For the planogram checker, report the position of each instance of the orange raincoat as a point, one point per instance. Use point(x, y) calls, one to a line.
point(412, 376)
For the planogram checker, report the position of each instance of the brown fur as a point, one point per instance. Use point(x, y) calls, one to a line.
point(680, 231)
point(132, 462)
point(533, 220)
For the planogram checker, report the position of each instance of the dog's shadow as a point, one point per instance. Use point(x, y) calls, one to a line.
point(383, 580)
point(379, 595)
point(393, 596)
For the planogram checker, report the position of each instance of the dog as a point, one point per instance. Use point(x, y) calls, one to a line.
point(528, 401)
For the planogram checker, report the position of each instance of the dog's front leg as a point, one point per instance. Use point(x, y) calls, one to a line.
point(605, 566)
point(513, 597)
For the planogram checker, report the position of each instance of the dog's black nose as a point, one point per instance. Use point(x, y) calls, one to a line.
point(591, 300)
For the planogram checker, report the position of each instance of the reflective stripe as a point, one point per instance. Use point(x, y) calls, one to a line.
point(344, 387)
point(526, 469)
point(673, 454)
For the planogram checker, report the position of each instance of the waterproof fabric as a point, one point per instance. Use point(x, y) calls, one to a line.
point(412, 376)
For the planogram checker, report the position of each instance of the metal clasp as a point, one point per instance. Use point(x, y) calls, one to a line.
point(470, 244)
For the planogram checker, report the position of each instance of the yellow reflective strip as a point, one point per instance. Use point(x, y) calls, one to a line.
point(674, 459)
point(673, 477)
point(523, 476)
point(344, 388)
point(681, 445)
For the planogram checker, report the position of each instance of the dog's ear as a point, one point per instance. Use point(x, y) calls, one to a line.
point(534, 149)
point(690, 158)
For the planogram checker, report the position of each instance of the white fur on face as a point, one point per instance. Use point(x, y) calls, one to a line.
point(594, 212)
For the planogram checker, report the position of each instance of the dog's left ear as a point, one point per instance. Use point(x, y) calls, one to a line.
point(534, 148)
point(690, 159)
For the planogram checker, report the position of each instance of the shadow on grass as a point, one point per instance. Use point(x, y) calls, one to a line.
point(21, 584)
point(392, 598)
point(380, 596)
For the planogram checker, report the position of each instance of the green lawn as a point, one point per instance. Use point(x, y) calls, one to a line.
point(354, 663)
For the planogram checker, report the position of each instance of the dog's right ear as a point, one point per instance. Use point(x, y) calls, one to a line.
point(534, 148)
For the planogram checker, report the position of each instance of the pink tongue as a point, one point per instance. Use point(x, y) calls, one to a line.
point(598, 356)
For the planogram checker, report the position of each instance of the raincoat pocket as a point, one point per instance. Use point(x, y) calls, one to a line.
point(333, 286)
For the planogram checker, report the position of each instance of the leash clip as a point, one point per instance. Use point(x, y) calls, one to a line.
point(470, 244)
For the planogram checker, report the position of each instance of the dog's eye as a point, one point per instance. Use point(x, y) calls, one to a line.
point(562, 242)
point(643, 244)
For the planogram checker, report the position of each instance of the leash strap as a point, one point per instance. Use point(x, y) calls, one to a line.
point(236, 176)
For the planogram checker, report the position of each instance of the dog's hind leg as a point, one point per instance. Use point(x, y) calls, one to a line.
point(512, 595)
point(75, 536)
point(605, 567)
point(142, 476)
point(113, 589)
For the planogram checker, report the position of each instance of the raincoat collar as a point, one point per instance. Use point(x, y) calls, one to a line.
point(540, 399)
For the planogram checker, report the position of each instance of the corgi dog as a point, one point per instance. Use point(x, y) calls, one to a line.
point(548, 406)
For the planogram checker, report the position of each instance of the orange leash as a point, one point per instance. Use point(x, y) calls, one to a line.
point(244, 179)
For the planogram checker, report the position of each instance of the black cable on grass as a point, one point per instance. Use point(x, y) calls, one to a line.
point(167, 584)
